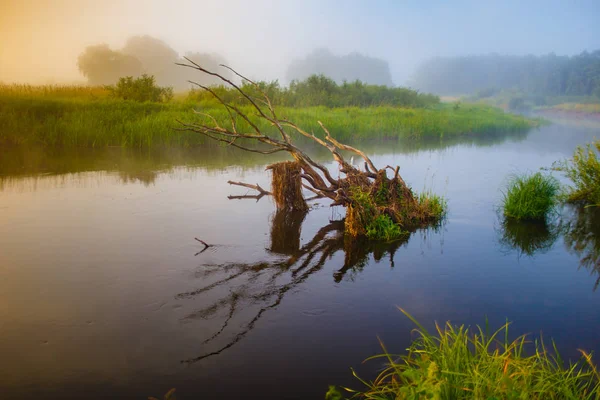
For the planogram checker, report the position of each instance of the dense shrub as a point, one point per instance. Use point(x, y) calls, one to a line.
point(319, 90)
point(140, 89)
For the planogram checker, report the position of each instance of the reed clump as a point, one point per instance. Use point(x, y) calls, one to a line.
point(460, 362)
point(530, 196)
point(584, 171)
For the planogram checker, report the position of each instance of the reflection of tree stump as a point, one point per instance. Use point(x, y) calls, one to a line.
point(287, 186)
point(285, 231)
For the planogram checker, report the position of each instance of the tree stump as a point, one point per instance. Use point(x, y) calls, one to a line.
point(286, 185)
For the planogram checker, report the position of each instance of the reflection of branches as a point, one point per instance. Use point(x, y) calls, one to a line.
point(582, 237)
point(528, 237)
point(266, 283)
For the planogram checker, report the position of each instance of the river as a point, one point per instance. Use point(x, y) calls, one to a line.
point(104, 293)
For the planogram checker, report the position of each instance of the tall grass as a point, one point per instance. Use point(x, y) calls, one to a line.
point(530, 197)
point(55, 91)
point(584, 171)
point(459, 362)
point(86, 117)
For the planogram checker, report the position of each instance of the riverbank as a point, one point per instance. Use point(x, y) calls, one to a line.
point(90, 119)
point(577, 111)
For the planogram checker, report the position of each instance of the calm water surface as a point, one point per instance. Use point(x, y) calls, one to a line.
point(104, 293)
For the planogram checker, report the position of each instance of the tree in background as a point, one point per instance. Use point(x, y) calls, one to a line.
point(157, 57)
point(140, 89)
point(103, 66)
point(145, 55)
point(209, 61)
point(351, 67)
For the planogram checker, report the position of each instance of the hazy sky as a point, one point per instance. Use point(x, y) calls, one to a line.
point(40, 39)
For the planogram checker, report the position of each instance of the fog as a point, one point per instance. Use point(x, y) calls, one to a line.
point(41, 40)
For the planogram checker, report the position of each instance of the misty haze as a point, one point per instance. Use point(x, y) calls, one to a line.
point(229, 199)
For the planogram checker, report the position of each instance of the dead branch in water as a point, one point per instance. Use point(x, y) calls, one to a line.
point(206, 246)
point(388, 198)
point(249, 186)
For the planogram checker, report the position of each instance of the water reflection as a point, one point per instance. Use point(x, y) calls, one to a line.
point(528, 237)
point(144, 165)
point(579, 226)
point(582, 237)
point(262, 285)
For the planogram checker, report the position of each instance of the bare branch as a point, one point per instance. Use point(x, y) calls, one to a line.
point(346, 147)
point(206, 246)
point(247, 197)
point(250, 186)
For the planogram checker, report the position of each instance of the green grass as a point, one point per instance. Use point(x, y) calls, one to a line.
point(460, 362)
point(530, 197)
point(584, 171)
point(383, 228)
point(372, 212)
point(88, 117)
point(434, 204)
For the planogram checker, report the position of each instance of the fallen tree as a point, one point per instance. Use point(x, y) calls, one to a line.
point(378, 206)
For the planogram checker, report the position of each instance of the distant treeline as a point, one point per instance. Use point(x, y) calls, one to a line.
point(351, 67)
point(319, 90)
point(102, 65)
point(548, 75)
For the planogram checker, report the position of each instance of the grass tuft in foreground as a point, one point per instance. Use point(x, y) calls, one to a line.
point(584, 171)
point(459, 362)
point(530, 197)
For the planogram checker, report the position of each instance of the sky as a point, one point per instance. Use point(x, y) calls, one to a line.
point(41, 39)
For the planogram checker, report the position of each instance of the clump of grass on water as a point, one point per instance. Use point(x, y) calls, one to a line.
point(530, 197)
point(584, 171)
point(459, 362)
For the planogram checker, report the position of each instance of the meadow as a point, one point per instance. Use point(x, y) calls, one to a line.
point(73, 116)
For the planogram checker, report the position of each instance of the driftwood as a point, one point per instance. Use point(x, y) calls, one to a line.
point(389, 197)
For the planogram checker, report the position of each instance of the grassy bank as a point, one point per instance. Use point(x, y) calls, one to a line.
point(590, 108)
point(571, 110)
point(88, 117)
point(515, 100)
point(459, 362)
